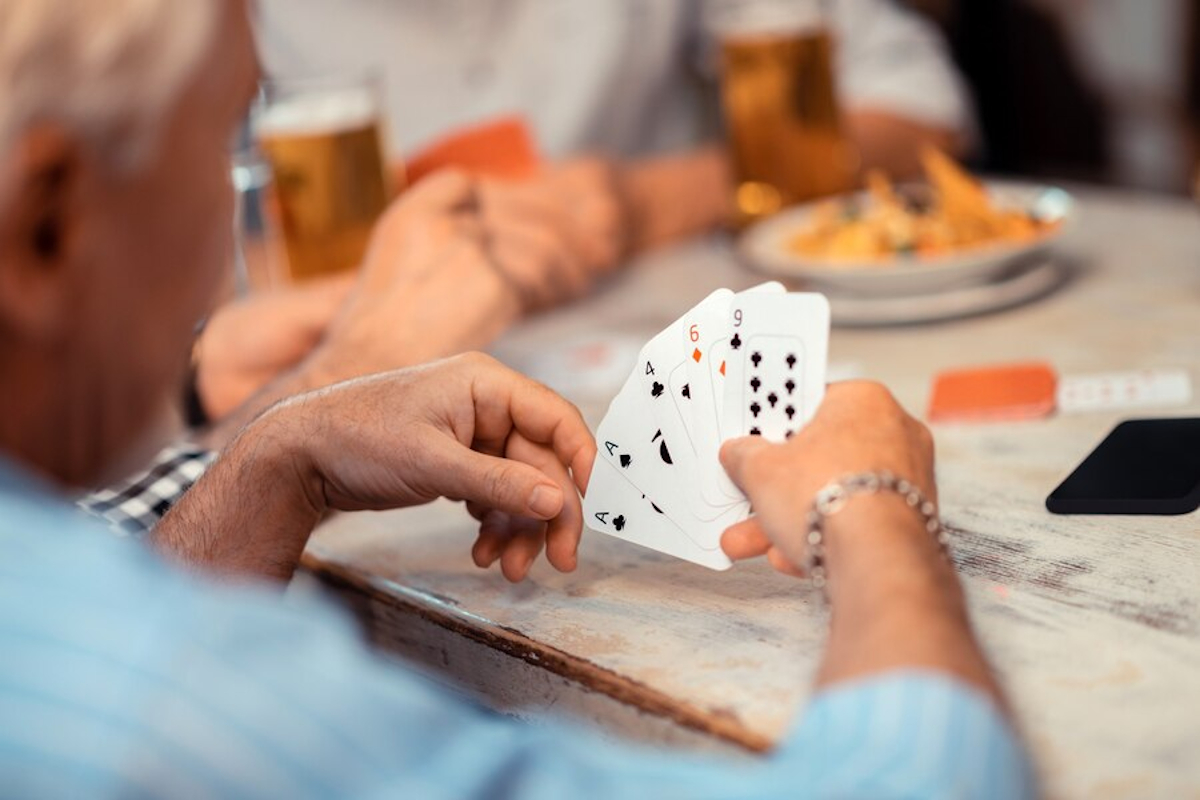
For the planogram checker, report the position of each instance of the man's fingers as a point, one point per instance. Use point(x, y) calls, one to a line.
point(744, 540)
point(502, 484)
point(526, 537)
point(563, 532)
point(737, 454)
point(505, 400)
point(445, 190)
point(493, 536)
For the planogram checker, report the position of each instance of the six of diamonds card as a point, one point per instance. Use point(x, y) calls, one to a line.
point(745, 364)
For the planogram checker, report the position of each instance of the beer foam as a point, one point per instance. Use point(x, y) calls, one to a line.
point(317, 113)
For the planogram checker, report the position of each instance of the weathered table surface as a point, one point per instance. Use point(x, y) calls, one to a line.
point(1092, 622)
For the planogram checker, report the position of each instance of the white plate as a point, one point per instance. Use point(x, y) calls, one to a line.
point(764, 246)
point(1021, 284)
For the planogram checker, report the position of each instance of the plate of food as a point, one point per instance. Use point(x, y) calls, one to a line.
point(950, 231)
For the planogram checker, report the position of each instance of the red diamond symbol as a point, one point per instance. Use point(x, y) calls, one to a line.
point(722, 367)
point(696, 355)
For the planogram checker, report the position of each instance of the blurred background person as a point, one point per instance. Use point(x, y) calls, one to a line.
point(622, 102)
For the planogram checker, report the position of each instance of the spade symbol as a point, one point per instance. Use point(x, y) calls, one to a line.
point(791, 360)
point(755, 409)
point(687, 391)
point(790, 386)
point(756, 359)
point(755, 383)
point(755, 432)
point(626, 460)
point(619, 522)
point(663, 452)
point(736, 341)
point(790, 411)
point(656, 390)
point(772, 398)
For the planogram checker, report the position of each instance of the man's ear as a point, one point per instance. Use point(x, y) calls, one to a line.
point(39, 216)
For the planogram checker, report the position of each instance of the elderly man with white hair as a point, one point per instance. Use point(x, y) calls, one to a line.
point(131, 668)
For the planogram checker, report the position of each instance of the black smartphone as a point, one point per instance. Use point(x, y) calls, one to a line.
point(1144, 466)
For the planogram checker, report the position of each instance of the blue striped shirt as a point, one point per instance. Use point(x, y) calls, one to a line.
point(123, 677)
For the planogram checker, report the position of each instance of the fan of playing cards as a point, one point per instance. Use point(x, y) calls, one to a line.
point(751, 363)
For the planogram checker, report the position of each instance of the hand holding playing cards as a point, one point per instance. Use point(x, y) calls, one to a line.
point(466, 428)
point(858, 428)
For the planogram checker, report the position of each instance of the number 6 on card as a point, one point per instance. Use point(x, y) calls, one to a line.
point(778, 351)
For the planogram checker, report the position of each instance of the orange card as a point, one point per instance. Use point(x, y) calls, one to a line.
point(994, 394)
point(501, 148)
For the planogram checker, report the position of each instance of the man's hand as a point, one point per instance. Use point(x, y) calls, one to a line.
point(858, 428)
point(466, 428)
point(555, 234)
point(897, 604)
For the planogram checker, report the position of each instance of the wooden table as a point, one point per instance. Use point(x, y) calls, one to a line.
point(1092, 623)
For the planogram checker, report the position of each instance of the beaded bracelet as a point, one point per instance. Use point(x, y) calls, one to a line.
point(833, 498)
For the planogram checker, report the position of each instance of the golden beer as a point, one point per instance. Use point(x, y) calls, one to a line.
point(326, 152)
point(785, 130)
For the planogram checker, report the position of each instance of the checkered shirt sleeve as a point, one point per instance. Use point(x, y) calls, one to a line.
point(134, 506)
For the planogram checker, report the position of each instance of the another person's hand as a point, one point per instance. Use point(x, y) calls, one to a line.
point(429, 288)
point(248, 343)
point(555, 234)
point(466, 428)
point(859, 428)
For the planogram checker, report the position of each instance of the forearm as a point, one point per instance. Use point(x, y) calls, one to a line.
point(676, 196)
point(250, 515)
point(896, 602)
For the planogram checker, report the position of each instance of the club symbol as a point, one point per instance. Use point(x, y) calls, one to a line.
point(772, 398)
point(687, 391)
point(755, 409)
point(619, 522)
point(790, 386)
point(755, 432)
point(626, 460)
point(755, 383)
point(656, 390)
point(736, 341)
point(790, 411)
point(791, 360)
point(756, 359)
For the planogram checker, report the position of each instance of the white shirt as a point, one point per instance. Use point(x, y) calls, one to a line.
point(619, 76)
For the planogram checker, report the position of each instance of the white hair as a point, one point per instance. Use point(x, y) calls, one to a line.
point(108, 70)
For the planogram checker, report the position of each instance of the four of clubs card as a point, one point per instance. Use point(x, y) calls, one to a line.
point(738, 364)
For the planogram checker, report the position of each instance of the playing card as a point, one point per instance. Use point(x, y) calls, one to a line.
point(662, 367)
point(630, 440)
point(705, 331)
point(615, 507)
point(775, 369)
point(1117, 390)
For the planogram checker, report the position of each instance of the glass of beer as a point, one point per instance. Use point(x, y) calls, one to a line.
point(323, 140)
point(785, 131)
